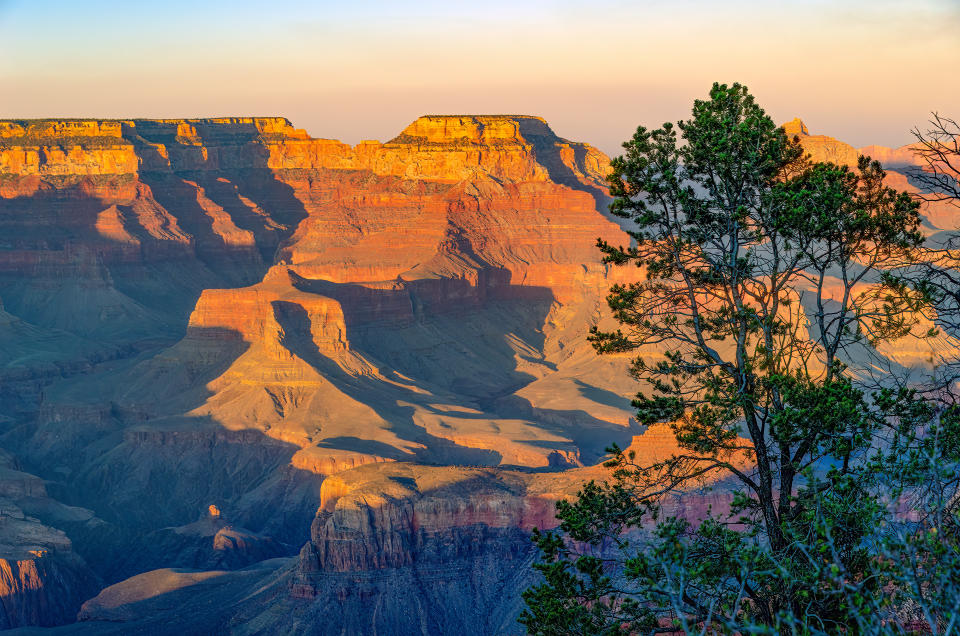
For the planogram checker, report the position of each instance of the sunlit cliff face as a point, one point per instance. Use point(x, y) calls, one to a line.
point(374, 354)
point(230, 311)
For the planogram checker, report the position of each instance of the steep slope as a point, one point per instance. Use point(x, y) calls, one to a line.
point(374, 355)
point(42, 581)
point(898, 162)
point(235, 311)
point(394, 548)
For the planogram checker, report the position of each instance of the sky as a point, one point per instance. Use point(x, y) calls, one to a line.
point(864, 71)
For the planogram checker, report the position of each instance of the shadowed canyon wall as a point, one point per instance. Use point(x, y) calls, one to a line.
point(229, 312)
point(288, 380)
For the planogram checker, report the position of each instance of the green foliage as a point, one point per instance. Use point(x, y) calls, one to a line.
point(766, 282)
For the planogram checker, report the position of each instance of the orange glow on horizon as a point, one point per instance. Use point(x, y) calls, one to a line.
point(865, 72)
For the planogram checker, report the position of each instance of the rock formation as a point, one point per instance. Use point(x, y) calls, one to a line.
point(230, 310)
point(821, 147)
point(42, 581)
point(373, 355)
point(898, 162)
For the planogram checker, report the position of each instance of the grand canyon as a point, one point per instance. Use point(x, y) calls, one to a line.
point(257, 382)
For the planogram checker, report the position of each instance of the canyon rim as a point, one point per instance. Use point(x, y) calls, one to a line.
point(257, 381)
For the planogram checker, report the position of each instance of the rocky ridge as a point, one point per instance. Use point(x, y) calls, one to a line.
point(373, 352)
point(234, 311)
point(42, 580)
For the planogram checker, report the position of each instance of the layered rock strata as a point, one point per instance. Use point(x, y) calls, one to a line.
point(230, 311)
point(42, 581)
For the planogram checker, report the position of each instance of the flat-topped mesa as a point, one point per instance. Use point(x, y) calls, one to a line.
point(479, 129)
point(54, 147)
point(254, 315)
point(58, 128)
point(50, 147)
point(821, 147)
point(508, 147)
point(498, 191)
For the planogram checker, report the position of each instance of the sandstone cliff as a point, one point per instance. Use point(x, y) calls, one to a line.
point(42, 580)
point(233, 311)
point(898, 162)
point(373, 352)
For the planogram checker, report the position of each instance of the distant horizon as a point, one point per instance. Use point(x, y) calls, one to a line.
point(813, 131)
point(355, 138)
point(864, 72)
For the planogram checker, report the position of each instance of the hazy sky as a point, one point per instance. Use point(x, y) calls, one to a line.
point(865, 71)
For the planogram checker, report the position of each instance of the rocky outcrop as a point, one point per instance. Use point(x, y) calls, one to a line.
point(450, 545)
point(43, 588)
point(821, 147)
point(393, 516)
point(900, 163)
point(210, 543)
point(228, 310)
point(42, 581)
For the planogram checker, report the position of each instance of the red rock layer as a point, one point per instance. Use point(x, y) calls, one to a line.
point(454, 214)
point(899, 162)
point(42, 581)
point(45, 589)
point(230, 310)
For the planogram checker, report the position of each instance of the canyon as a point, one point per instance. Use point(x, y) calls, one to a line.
point(257, 382)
